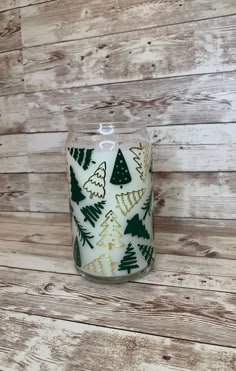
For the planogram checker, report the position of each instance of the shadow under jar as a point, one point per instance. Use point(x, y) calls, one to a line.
point(109, 168)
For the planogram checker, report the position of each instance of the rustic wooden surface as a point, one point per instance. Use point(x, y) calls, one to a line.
point(180, 317)
point(170, 64)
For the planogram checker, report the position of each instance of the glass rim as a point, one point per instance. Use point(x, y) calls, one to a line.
point(107, 128)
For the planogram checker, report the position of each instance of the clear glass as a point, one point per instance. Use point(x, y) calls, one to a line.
point(109, 168)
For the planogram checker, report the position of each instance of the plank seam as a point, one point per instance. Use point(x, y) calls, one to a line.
point(129, 31)
point(127, 81)
point(133, 281)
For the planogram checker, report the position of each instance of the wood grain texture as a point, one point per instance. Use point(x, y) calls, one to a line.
point(10, 26)
point(176, 148)
point(49, 344)
point(179, 313)
point(199, 195)
point(59, 21)
point(8, 4)
point(169, 270)
point(167, 51)
point(196, 237)
point(12, 114)
point(189, 237)
point(14, 192)
point(170, 64)
point(196, 195)
point(189, 99)
point(35, 233)
point(35, 218)
point(11, 73)
point(193, 195)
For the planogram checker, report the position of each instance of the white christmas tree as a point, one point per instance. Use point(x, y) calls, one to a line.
point(126, 201)
point(96, 183)
point(141, 159)
point(110, 235)
point(102, 264)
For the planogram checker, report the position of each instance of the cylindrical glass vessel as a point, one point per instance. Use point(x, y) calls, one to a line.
point(111, 200)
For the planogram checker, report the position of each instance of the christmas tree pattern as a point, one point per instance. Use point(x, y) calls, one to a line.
point(135, 227)
point(147, 206)
point(110, 235)
point(120, 174)
point(129, 260)
point(93, 212)
point(82, 156)
point(147, 252)
point(76, 253)
point(96, 183)
point(85, 236)
point(141, 159)
point(150, 168)
point(102, 264)
point(126, 201)
point(76, 193)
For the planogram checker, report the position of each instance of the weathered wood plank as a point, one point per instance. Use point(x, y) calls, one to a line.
point(196, 237)
point(212, 134)
point(197, 315)
point(193, 195)
point(58, 21)
point(189, 99)
point(50, 234)
point(176, 148)
point(32, 341)
point(10, 27)
point(12, 114)
point(13, 145)
point(13, 164)
point(167, 158)
point(8, 4)
point(210, 195)
point(11, 73)
point(195, 158)
point(35, 218)
point(169, 270)
point(167, 51)
point(14, 192)
point(38, 201)
point(192, 237)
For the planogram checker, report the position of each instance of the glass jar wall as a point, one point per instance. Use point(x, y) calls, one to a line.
point(111, 200)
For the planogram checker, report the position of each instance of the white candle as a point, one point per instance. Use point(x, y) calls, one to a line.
point(111, 201)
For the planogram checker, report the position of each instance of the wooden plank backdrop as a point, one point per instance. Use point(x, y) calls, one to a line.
point(171, 65)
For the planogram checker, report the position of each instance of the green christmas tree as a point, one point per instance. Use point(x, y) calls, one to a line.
point(136, 228)
point(93, 212)
point(147, 206)
point(76, 193)
point(120, 174)
point(129, 260)
point(82, 156)
point(84, 235)
point(76, 253)
point(147, 252)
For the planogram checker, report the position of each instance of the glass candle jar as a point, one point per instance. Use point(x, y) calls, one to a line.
point(111, 200)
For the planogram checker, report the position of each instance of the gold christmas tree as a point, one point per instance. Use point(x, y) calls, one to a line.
point(126, 201)
point(96, 183)
point(141, 158)
point(102, 264)
point(110, 235)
